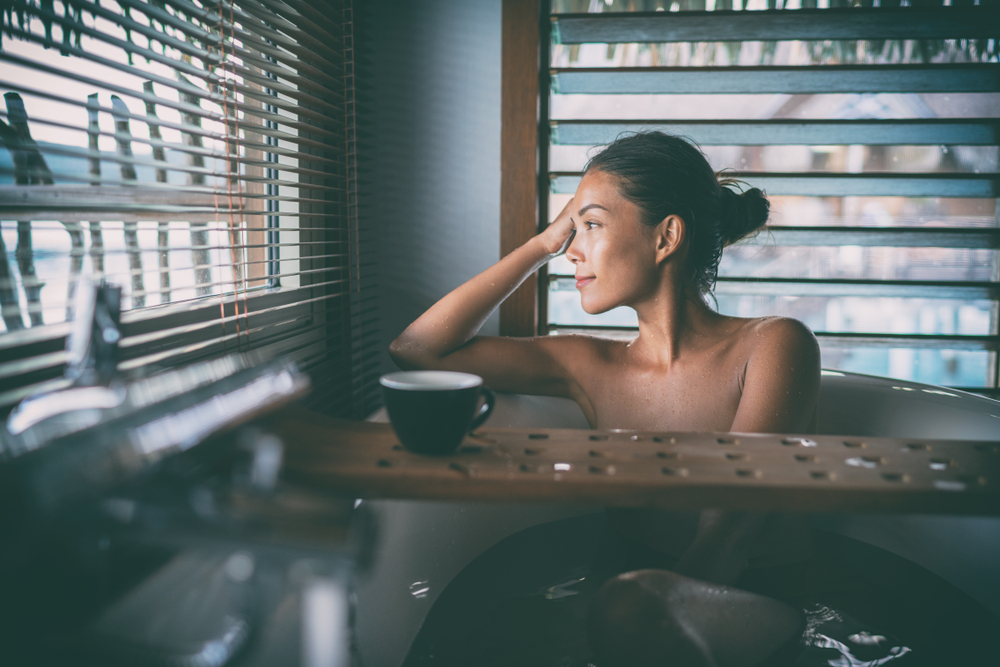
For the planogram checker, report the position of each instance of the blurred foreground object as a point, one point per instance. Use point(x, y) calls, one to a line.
point(120, 431)
point(77, 443)
point(91, 366)
point(140, 528)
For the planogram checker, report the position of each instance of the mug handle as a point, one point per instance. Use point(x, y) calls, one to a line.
point(489, 401)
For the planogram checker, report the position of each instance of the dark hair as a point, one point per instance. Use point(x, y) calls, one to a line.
point(665, 175)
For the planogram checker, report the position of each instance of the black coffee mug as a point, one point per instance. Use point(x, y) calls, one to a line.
point(432, 411)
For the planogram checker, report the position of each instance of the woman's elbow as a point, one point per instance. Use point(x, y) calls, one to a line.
point(408, 355)
point(398, 354)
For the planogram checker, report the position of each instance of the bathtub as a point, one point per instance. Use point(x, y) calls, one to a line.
point(425, 544)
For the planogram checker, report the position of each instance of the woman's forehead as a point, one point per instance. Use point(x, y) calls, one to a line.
point(601, 190)
point(598, 189)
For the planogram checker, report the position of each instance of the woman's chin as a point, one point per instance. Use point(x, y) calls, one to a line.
point(594, 309)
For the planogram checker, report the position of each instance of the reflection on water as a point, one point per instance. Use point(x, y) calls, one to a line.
point(565, 589)
point(833, 639)
point(420, 589)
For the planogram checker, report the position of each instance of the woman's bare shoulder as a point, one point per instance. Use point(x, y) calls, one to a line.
point(584, 346)
point(780, 381)
point(748, 335)
point(776, 329)
point(773, 340)
point(782, 343)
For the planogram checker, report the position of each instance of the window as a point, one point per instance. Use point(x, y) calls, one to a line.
point(873, 129)
point(199, 154)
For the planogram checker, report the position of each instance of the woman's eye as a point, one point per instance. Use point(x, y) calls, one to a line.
point(591, 225)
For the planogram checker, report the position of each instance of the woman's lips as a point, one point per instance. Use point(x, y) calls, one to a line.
point(584, 281)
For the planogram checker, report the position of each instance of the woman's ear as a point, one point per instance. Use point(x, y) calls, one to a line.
point(669, 236)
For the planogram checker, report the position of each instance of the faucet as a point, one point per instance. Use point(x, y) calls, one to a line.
point(92, 350)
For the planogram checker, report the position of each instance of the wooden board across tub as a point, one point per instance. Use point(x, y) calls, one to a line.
point(631, 468)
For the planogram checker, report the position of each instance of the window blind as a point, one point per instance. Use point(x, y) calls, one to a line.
point(872, 126)
point(199, 154)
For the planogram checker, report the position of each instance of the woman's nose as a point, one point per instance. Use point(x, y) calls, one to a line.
point(573, 253)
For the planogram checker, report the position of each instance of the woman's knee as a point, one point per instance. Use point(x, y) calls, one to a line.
point(636, 619)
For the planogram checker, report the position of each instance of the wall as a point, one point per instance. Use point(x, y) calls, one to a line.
point(428, 90)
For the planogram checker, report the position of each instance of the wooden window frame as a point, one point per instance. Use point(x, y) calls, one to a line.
point(523, 155)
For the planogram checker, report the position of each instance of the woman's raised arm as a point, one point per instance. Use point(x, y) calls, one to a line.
point(444, 337)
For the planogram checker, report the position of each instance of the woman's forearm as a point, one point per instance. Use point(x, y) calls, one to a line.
point(456, 318)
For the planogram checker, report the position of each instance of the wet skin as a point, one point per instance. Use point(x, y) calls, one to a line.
point(689, 369)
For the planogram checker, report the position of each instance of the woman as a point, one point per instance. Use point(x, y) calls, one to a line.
point(646, 229)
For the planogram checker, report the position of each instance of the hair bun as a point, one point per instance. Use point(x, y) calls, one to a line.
point(742, 213)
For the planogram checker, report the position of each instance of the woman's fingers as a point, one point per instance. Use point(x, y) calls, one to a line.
point(559, 234)
point(567, 212)
point(568, 242)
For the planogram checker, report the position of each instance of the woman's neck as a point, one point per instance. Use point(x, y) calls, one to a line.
point(674, 322)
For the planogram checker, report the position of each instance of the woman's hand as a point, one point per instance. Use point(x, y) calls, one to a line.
point(559, 234)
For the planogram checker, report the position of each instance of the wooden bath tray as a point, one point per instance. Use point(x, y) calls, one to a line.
point(631, 468)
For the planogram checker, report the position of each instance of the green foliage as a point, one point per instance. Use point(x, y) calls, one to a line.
point(72, 15)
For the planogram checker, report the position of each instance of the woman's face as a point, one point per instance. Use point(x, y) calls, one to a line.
point(613, 252)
